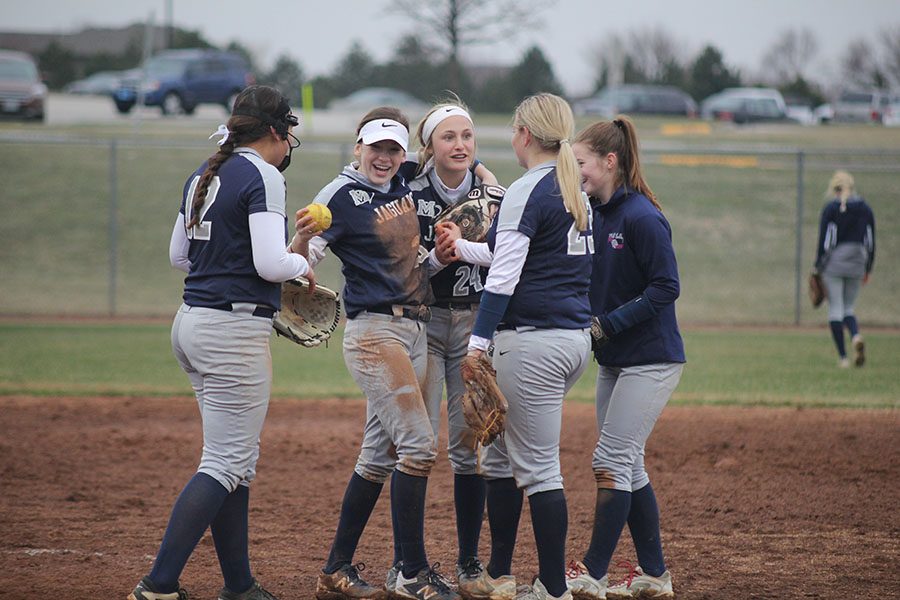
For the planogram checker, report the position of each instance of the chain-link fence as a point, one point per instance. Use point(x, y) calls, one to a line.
point(86, 224)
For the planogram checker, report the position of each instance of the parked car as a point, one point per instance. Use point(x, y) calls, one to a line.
point(371, 97)
point(745, 105)
point(101, 83)
point(178, 80)
point(824, 113)
point(861, 106)
point(800, 110)
point(637, 99)
point(22, 93)
point(891, 115)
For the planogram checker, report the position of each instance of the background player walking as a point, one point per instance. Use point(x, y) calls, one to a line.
point(845, 255)
point(634, 285)
point(230, 238)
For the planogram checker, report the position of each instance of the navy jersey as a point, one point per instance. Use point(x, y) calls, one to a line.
point(220, 251)
point(635, 283)
point(375, 233)
point(553, 288)
point(846, 245)
point(458, 281)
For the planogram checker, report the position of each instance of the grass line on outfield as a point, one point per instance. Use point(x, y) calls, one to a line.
point(743, 367)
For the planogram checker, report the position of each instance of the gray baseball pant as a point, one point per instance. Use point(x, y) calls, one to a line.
point(387, 358)
point(629, 401)
point(226, 357)
point(535, 369)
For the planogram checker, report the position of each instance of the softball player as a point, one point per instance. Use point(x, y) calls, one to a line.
point(536, 300)
point(375, 233)
point(634, 285)
point(845, 256)
point(230, 238)
point(445, 175)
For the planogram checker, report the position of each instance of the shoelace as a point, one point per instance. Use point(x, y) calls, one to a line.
point(436, 579)
point(574, 570)
point(353, 572)
point(472, 567)
point(633, 571)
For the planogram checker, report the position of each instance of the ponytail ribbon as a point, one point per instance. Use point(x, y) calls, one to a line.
point(223, 131)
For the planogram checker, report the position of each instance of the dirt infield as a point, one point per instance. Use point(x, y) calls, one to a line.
point(756, 503)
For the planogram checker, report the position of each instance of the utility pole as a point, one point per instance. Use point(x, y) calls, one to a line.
point(168, 23)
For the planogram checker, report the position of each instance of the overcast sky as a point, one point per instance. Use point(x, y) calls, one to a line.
point(318, 34)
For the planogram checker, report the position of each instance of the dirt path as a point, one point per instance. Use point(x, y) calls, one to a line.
point(756, 503)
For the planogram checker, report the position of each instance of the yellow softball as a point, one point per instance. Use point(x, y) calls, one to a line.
point(322, 216)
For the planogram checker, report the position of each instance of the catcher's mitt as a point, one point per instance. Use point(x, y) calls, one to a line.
point(473, 215)
point(816, 289)
point(307, 319)
point(483, 404)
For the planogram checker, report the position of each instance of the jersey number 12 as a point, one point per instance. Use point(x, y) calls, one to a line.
point(203, 229)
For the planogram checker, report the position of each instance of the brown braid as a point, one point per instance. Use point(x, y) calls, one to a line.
point(619, 137)
point(242, 130)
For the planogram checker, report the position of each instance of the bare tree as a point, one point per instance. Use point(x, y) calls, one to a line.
point(859, 65)
point(456, 24)
point(788, 58)
point(642, 55)
point(652, 50)
point(890, 45)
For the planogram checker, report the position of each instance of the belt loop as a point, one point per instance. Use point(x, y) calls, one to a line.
point(397, 310)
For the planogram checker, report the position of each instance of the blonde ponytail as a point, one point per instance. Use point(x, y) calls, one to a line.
point(568, 174)
point(550, 120)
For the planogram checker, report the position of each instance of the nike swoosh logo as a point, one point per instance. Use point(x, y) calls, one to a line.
point(448, 109)
point(501, 353)
point(388, 125)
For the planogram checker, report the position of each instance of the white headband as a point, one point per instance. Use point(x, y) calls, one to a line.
point(439, 115)
point(384, 129)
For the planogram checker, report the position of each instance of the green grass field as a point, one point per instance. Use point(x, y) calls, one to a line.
point(725, 366)
point(733, 228)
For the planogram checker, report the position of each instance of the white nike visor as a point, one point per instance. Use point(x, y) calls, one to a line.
point(384, 129)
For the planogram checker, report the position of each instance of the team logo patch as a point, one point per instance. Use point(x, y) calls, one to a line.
point(427, 208)
point(361, 197)
point(616, 241)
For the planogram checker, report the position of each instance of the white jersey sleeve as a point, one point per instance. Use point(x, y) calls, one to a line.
point(178, 246)
point(270, 256)
point(510, 252)
point(475, 253)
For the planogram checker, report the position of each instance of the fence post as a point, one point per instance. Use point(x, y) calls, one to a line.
point(344, 157)
point(798, 267)
point(113, 226)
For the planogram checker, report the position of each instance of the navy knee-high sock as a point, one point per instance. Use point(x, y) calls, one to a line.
point(837, 333)
point(356, 508)
point(643, 522)
point(550, 520)
point(410, 503)
point(504, 504)
point(194, 510)
point(229, 531)
point(468, 496)
point(398, 552)
point(851, 325)
point(610, 513)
